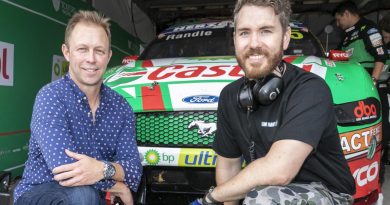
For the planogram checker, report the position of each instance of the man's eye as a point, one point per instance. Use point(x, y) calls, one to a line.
point(100, 52)
point(244, 33)
point(82, 49)
point(266, 31)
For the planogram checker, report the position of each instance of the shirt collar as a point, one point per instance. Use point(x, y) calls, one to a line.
point(81, 95)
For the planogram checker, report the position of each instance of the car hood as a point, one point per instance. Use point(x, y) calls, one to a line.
point(180, 84)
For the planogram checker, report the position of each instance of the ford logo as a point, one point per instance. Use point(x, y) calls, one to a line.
point(201, 99)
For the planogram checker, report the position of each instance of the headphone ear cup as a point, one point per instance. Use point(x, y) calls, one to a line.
point(266, 91)
point(245, 97)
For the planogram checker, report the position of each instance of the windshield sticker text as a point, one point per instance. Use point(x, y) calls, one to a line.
point(189, 35)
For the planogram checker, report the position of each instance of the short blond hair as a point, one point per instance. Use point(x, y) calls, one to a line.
point(89, 17)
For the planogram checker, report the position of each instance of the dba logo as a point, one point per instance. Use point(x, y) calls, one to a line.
point(201, 99)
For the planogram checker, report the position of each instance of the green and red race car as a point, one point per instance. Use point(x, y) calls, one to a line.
point(174, 88)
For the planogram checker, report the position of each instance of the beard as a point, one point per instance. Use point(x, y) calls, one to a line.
point(257, 70)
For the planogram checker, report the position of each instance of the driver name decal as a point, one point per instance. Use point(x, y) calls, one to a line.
point(189, 35)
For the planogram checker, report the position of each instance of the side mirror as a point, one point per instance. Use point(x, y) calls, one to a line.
point(338, 55)
point(129, 59)
point(328, 29)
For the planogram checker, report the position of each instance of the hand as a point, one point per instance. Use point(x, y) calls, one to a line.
point(85, 171)
point(123, 192)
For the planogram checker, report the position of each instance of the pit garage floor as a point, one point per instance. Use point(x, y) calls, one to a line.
point(386, 187)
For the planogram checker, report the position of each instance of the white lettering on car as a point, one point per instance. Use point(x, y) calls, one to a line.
point(366, 174)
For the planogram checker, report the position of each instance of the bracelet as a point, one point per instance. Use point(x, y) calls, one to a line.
point(210, 198)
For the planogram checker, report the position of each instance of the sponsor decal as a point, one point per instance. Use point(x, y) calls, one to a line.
point(296, 34)
point(339, 77)
point(361, 142)
point(157, 156)
point(65, 8)
point(338, 55)
point(210, 25)
point(60, 67)
point(56, 4)
point(372, 148)
point(354, 35)
point(152, 157)
point(366, 174)
point(330, 63)
point(376, 39)
point(372, 30)
point(201, 99)
point(197, 158)
point(188, 35)
point(364, 112)
point(129, 59)
point(204, 128)
point(6, 64)
point(180, 91)
point(380, 51)
point(349, 52)
point(183, 71)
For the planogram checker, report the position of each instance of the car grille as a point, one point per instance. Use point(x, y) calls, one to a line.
point(170, 129)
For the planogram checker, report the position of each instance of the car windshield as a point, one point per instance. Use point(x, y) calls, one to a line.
point(219, 42)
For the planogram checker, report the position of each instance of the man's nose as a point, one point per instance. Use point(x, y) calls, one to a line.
point(91, 58)
point(255, 41)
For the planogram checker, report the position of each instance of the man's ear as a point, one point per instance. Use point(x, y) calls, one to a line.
point(65, 51)
point(286, 38)
point(347, 13)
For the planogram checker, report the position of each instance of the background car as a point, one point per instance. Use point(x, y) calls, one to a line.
point(174, 89)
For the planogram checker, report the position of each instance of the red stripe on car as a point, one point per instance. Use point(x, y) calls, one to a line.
point(152, 98)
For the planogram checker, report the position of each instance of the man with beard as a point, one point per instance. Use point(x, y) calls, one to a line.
point(279, 118)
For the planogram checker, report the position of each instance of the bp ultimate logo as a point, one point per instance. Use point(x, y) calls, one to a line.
point(6, 64)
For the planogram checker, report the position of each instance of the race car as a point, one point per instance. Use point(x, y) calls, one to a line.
point(173, 88)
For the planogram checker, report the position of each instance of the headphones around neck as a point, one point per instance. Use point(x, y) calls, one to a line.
point(260, 91)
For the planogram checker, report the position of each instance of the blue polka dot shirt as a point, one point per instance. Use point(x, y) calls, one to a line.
point(62, 119)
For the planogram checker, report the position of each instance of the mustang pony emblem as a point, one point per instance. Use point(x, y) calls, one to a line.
point(204, 128)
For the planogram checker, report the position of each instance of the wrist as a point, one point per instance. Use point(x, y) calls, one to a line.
point(108, 170)
point(208, 199)
point(374, 80)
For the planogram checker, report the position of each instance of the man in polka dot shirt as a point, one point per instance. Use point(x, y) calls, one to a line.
point(82, 132)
